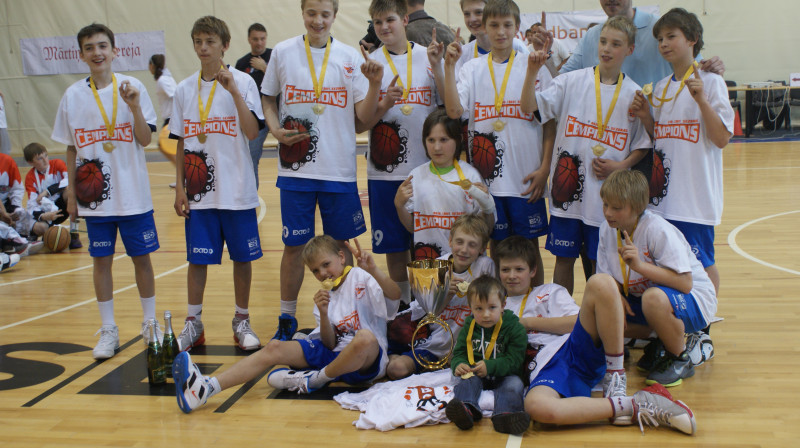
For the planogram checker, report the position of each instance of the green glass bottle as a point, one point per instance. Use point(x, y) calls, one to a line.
point(170, 344)
point(155, 358)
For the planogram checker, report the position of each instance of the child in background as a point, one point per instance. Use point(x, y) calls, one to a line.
point(438, 192)
point(14, 219)
point(481, 45)
point(489, 357)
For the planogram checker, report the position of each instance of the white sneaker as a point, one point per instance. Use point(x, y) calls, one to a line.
point(616, 385)
point(7, 261)
point(191, 387)
point(108, 343)
point(294, 380)
point(192, 334)
point(654, 406)
point(146, 332)
point(33, 248)
point(699, 347)
point(244, 335)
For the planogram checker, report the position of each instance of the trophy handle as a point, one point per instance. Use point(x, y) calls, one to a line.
point(430, 318)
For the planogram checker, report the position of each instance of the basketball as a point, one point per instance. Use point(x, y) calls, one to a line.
point(384, 146)
point(56, 238)
point(658, 178)
point(426, 252)
point(565, 180)
point(195, 173)
point(297, 152)
point(484, 156)
point(89, 182)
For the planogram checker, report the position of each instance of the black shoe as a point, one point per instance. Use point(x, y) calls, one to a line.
point(512, 422)
point(459, 413)
point(652, 352)
point(75, 240)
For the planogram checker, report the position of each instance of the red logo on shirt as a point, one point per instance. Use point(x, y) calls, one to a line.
point(688, 130)
point(456, 314)
point(417, 95)
point(225, 126)
point(613, 137)
point(349, 324)
point(122, 133)
point(436, 220)
point(334, 96)
point(510, 109)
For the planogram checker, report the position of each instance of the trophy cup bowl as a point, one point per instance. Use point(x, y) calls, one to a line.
point(430, 283)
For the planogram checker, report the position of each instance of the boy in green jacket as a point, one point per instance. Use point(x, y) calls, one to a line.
point(489, 354)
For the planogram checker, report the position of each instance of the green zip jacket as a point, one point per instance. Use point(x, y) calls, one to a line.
point(509, 352)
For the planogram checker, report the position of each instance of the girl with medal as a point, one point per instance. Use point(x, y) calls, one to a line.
point(438, 192)
point(488, 355)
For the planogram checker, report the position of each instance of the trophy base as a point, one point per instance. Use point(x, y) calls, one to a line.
point(430, 318)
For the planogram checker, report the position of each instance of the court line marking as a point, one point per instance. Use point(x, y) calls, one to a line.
point(56, 274)
point(261, 215)
point(740, 251)
point(514, 441)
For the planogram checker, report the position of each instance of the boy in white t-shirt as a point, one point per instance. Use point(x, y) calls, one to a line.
point(468, 239)
point(217, 187)
point(408, 96)
point(106, 120)
point(349, 343)
point(663, 283)
point(596, 136)
point(473, 20)
point(507, 147)
point(325, 89)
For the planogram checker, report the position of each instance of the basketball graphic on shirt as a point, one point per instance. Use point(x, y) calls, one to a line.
point(198, 171)
point(567, 180)
point(659, 177)
point(465, 139)
point(487, 156)
point(387, 146)
point(92, 183)
point(295, 156)
point(427, 251)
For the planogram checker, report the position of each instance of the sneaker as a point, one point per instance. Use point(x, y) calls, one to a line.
point(191, 387)
point(616, 385)
point(243, 334)
point(75, 240)
point(8, 261)
point(654, 406)
point(108, 343)
point(287, 326)
point(192, 334)
point(652, 352)
point(146, 332)
point(511, 422)
point(670, 370)
point(460, 414)
point(699, 347)
point(293, 380)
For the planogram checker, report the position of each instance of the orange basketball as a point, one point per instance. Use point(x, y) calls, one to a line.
point(565, 180)
point(56, 238)
point(89, 182)
point(195, 173)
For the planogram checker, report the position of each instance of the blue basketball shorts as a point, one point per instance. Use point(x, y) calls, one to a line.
point(517, 216)
point(138, 234)
point(700, 238)
point(342, 217)
point(388, 233)
point(575, 368)
point(683, 305)
point(568, 235)
point(318, 356)
point(208, 230)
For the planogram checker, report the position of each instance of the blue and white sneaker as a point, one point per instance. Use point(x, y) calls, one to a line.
point(287, 327)
point(293, 380)
point(191, 387)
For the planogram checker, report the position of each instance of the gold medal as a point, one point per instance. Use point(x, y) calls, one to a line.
point(499, 125)
point(406, 109)
point(317, 82)
point(647, 89)
point(601, 123)
point(465, 184)
point(467, 376)
point(112, 123)
point(498, 96)
point(318, 108)
point(598, 150)
point(201, 138)
point(108, 147)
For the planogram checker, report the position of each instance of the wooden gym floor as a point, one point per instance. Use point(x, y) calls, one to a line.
point(52, 393)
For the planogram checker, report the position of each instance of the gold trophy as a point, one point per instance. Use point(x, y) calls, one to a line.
point(430, 283)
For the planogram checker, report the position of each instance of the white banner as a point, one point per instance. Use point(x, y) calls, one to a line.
point(570, 26)
point(60, 54)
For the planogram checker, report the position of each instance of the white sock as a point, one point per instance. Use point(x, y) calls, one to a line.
point(107, 312)
point(622, 405)
point(289, 307)
point(194, 311)
point(73, 226)
point(319, 379)
point(243, 311)
point(615, 362)
point(405, 292)
point(148, 308)
point(213, 386)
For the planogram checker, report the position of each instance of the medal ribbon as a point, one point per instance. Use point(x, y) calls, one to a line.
point(498, 97)
point(488, 353)
point(524, 302)
point(406, 87)
point(664, 98)
point(622, 266)
point(601, 124)
point(461, 178)
point(318, 83)
point(341, 278)
point(204, 111)
point(110, 124)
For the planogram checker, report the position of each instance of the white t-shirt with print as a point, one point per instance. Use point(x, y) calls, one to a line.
point(468, 52)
